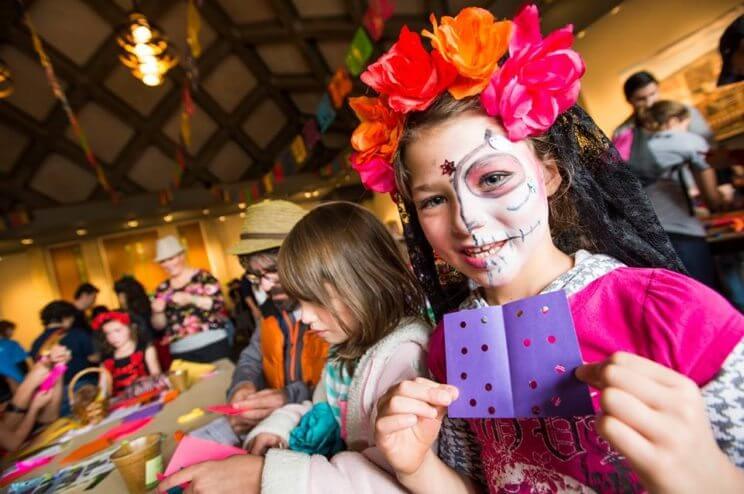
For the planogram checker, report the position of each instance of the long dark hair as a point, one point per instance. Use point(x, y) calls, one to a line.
point(137, 299)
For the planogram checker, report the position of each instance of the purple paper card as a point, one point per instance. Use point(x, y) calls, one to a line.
point(515, 360)
point(144, 412)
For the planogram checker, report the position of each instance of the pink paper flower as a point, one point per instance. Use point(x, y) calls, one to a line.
point(538, 82)
point(376, 174)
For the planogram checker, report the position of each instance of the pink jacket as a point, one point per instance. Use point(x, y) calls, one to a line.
point(361, 469)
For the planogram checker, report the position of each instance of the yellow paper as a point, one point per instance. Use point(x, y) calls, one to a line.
point(194, 370)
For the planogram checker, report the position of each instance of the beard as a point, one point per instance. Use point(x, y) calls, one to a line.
point(281, 300)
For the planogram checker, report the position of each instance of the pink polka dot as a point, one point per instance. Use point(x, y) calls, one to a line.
point(556, 401)
point(464, 351)
point(533, 384)
point(488, 387)
point(551, 339)
point(527, 342)
point(473, 402)
point(484, 348)
point(536, 410)
point(464, 376)
point(491, 410)
point(559, 369)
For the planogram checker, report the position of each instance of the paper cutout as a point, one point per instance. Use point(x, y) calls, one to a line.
point(226, 409)
point(192, 415)
point(86, 450)
point(311, 133)
point(21, 468)
point(144, 412)
point(359, 52)
point(324, 113)
point(374, 18)
point(51, 379)
point(192, 450)
point(339, 87)
point(299, 153)
point(504, 360)
point(125, 429)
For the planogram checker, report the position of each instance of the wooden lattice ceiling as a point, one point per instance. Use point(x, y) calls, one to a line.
point(264, 67)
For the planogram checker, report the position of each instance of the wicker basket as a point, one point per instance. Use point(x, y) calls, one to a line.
point(90, 403)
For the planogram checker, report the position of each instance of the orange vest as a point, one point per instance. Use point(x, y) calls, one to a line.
point(312, 360)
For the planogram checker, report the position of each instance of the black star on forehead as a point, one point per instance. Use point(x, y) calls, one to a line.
point(448, 167)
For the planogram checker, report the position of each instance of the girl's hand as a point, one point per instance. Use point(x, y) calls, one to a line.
point(263, 442)
point(158, 305)
point(60, 354)
point(235, 475)
point(408, 421)
point(182, 298)
point(656, 418)
point(38, 372)
point(40, 400)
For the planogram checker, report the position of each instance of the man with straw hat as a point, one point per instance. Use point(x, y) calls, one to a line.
point(284, 360)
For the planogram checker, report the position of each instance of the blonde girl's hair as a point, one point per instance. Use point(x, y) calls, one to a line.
point(657, 115)
point(342, 250)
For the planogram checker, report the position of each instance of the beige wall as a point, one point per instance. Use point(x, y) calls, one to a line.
point(29, 281)
point(629, 40)
point(27, 287)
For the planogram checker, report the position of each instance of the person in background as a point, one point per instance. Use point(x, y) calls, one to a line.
point(731, 47)
point(134, 300)
point(128, 354)
point(641, 91)
point(284, 360)
point(85, 298)
point(13, 358)
point(28, 407)
point(673, 149)
point(189, 307)
point(57, 318)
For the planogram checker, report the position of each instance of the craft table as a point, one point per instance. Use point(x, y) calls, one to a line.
point(208, 391)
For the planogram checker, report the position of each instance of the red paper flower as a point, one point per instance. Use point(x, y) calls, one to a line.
point(409, 76)
point(538, 82)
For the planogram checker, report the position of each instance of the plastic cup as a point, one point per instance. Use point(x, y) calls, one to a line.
point(139, 462)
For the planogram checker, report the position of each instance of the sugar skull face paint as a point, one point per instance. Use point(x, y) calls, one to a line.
point(491, 215)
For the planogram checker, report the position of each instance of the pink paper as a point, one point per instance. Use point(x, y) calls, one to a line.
point(25, 466)
point(192, 450)
point(51, 379)
point(126, 428)
point(226, 409)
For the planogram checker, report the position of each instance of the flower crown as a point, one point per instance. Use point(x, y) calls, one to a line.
point(537, 82)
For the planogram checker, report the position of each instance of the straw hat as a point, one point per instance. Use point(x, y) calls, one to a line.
point(167, 247)
point(265, 226)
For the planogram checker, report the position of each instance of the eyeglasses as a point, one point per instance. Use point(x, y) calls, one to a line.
point(256, 277)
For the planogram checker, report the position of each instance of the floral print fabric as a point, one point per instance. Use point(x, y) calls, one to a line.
point(189, 319)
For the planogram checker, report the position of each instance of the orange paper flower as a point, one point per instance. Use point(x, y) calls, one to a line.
point(379, 131)
point(473, 43)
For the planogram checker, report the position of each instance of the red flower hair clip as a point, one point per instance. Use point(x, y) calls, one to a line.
point(538, 82)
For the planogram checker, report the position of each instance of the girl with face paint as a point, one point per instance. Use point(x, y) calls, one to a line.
point(502, 177)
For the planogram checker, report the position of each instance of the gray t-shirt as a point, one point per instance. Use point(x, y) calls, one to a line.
point(673, 149)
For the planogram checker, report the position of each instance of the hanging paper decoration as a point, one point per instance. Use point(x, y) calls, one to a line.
point(165, 197)
point(311, 133)
point(278, 173)
point(180, 168)
point(255, 191)
point(299, 153)
point(324, 113)
point(374, 19)
point(359, 52)
point(18, 217)
point(193, 26)
point(339, 87)
point(6, 80)
point(268, 183)
point(60, 95)
point(187, 110)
